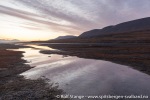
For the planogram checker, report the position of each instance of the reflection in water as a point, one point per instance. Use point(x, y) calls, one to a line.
point(41, 47)
point(85, 76)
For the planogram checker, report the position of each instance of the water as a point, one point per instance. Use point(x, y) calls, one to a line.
point(79, 76)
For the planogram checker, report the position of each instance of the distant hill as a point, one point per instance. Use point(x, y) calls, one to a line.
point(135, 25)
point(65, 37)
point(8, 41)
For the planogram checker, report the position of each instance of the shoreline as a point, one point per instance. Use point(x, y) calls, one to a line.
point(136, 57)
point(14, 86)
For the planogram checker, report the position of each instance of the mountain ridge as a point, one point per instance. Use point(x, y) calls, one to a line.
point(65, 37)
point(129, 26)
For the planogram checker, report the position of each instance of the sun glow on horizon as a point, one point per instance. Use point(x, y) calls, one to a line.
point(23, 23)
point(14, 32)
point(13, 28)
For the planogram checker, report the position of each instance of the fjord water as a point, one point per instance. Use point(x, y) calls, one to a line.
point(79, 76)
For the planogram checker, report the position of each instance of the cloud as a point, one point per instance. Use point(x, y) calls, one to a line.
point(35, 18)
point(56, 10)
point(77, 16)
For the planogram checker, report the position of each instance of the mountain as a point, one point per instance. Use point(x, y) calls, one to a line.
point(65, 37)
point(135, 25)
point(8, 41)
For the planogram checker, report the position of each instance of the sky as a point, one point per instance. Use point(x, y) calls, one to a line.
point(47, 19)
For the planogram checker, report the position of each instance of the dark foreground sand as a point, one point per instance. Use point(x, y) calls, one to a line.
point(16, 87)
